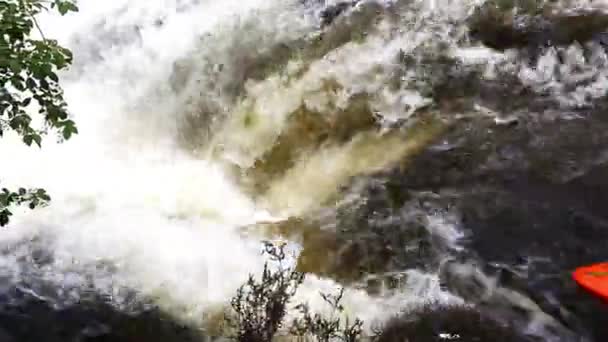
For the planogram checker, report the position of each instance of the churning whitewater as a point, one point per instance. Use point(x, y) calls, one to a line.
point(207, 127)
point(133, 211)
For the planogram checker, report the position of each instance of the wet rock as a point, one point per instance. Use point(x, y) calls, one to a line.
point(344, 27)
point(436, 323)
point(536, 156)
point(461, 88)
point(525, 24)
point(493, 295)
point(499, 28)
point(91, 321)
point(330, 13)
point(380, 236)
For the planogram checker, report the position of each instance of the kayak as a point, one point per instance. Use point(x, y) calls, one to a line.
point(594, 279)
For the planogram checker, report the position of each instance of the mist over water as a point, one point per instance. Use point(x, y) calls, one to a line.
point(206, 127)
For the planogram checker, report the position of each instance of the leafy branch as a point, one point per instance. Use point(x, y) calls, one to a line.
point(260, 306)
point(28, 72)
point(32, 197)
point(326, 329)
point(29, 84)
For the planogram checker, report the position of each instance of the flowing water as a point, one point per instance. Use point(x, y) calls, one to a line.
point(414, 151)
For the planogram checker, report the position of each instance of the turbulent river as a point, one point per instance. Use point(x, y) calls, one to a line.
point(420, 153)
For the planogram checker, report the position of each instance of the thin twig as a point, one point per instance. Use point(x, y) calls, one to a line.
point(34, 19)
point(38, 27)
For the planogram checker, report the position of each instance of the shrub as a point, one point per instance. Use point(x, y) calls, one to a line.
point(260, 306)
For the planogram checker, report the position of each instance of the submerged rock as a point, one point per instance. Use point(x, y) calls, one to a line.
point(525, 24)
point(437, 323)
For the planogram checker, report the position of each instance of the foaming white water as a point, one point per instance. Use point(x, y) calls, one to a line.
point(166, 223)
point(130, 210)
point(570, 76)
point(123, 194)
point(417, 289)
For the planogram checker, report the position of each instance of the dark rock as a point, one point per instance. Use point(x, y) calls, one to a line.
point(435, 323)
point(32, 319)
point(332, 12)
point(508, 27)
point(505, 295)
point(379, 234)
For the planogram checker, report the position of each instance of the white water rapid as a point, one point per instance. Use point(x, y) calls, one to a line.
point(204, 122)
point(131, 209)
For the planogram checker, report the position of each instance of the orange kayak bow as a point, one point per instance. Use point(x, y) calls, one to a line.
point(594, 279)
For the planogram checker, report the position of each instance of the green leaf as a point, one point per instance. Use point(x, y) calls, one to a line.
point(47, 69)
point(53, 77)
point(68, 131)
point(4, 217)
point(37, 139)
point(27, 139)
point(65, 7)
point(15, 66)
point(68, 55)
point(31, 83)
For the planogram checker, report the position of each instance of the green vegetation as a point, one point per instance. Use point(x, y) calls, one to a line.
point(29, 84)
point(33, 197)
point(260, 306)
